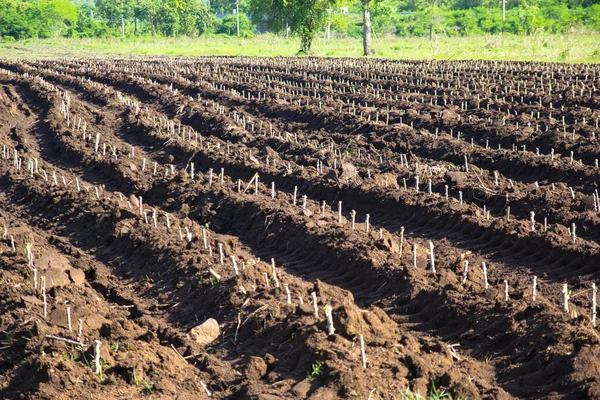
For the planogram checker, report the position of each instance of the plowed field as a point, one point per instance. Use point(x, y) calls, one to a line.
point(446, 214)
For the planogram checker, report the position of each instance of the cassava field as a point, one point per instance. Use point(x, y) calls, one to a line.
point(357, 228)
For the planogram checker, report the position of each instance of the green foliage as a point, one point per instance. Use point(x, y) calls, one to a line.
point(137, 382)
point(44, 18)
point(227, 6)
point(315, 371)
point(592, 15)
point(303, 17)
point(24, 19)
point(87, 27)
point(228, 26)
point(434, 394)
point(206, 21)
point(519, 21)
point(156, 17)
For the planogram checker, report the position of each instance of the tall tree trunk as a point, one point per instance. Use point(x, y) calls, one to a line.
point(366, 27)
point(431, 31)
point(304, 44)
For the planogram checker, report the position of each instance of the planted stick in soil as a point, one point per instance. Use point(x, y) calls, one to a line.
point(315, 307)
point(295, 195)
point(401, 240)
point(414, 251)
point(69, 319)
point(274, 273)
point(97, 366)
point(330, 328)
point(234, 263)
point(594, 292)
point(465, 272)
point(79, 330)
point(485, 278)
point(44, 299)
point(289, 295)
point(363, 356)
point(431, 257)
point(565, 292)
point(534, 288)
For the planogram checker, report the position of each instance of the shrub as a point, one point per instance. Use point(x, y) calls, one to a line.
point(228, 26)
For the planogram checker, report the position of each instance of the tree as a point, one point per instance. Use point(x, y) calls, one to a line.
point(229, 26)
point(227, 6)
point(376, 12)
point(55, 16)
point(14, 22)
point(168, 19)
point(87, 25)
point(189, 11)
point(116, 12)
point(147, 10)
point(366, 27)
point(206, 21)
point(431, 9)
point(303, 17)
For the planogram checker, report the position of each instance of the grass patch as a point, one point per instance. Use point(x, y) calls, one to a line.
point(572, 47)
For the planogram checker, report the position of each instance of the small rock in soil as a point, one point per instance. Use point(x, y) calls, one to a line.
point(256, 369)
point(77, 276)
point(205, 332)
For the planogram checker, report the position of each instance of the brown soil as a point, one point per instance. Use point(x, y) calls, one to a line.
point(365, 133)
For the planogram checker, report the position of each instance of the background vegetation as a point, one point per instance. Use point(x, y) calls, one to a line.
point(553, 30)
point(24, 19)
